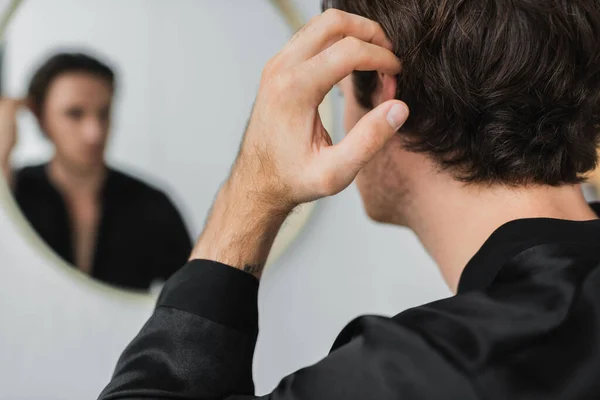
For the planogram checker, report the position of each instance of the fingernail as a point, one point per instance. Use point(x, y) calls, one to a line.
point(397, 116)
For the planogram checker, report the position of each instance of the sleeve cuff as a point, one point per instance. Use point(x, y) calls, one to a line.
point(214, 291)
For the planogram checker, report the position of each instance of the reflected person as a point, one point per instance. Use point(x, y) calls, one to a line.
point(108, 224)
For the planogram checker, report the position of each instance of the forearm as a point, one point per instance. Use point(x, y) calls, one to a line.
point(8, 133)
point(241, 229)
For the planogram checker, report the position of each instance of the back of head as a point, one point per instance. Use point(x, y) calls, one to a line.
point(500, 91)
point(58, 65)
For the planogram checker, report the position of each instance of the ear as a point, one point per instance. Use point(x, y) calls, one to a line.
point(386, 89)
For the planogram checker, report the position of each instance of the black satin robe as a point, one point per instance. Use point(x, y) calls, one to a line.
point(141, 235)
point(524, 325)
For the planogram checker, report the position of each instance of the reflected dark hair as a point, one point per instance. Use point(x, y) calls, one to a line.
point(500, 91)
point(61, 64)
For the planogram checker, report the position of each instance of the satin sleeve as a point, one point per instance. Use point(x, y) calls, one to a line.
point(200, 341)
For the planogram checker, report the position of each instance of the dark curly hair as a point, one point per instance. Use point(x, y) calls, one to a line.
point(60, 64)
point(500, 91)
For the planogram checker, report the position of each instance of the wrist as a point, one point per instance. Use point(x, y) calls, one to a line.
point(256, 179)
point(241, 228)
point(262, 195)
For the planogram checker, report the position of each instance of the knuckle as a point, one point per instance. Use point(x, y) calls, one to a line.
point(270, 67)
point(327, 184)
point(347, 48)
point(301, 31)
point(350, 43)
point(313, 20)
point(334, 16)
point(377, 27)
point(281, 83)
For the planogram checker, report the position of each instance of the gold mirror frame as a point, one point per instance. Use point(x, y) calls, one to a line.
point(295, 21)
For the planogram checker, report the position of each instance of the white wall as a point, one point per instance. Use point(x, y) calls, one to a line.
point(60, 334)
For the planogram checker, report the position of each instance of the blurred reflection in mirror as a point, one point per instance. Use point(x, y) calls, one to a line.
point(108, 224)
point(129, 117)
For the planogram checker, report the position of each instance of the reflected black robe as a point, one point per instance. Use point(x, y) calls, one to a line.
point(525, 324)
point(141, 236)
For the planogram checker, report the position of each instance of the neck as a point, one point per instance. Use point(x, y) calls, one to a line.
point(76, 181)
point(455, 225)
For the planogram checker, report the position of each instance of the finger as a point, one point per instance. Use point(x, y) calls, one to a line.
point(345, 160)
point(332, 65)
point(331, 26)
point(13, 102)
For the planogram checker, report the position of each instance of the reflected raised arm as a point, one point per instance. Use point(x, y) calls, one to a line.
point(8, 132)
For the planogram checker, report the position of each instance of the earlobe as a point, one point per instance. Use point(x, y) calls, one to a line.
point(386, 89)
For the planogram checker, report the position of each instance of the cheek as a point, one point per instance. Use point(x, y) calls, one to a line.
point(61, 130)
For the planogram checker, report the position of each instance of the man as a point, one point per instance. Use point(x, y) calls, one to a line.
point(504, 98)
point(109, 225)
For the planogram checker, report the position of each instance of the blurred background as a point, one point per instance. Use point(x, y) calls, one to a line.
point(188, 71)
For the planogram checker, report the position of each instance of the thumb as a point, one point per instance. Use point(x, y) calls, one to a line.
point(346, 159)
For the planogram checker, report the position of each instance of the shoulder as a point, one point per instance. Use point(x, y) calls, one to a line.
point(32, 173)
point(147, 203)
point(146, 196)
point(31, 178)
point(135, 186)
point(387, 350)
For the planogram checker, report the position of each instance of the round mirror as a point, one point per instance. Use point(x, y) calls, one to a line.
point(120, 120)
